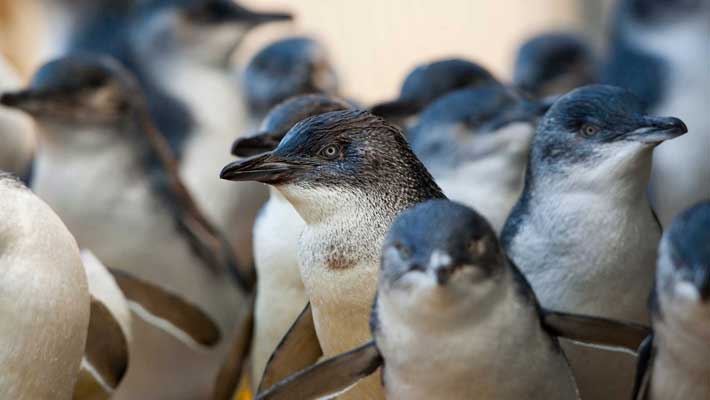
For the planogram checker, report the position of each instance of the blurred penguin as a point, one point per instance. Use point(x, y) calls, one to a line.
point(554, 63)
point(111, 177)
point(660, 51)
point(475, 143)
point(426, 83)
point(286, 68)
point(673, 363)
point(179, 51)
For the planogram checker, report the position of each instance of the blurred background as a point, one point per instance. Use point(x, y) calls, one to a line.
point(373, 43)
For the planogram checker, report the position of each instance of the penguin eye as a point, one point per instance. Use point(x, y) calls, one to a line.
point(403, 250)
point(330, 151)
point(589, 130)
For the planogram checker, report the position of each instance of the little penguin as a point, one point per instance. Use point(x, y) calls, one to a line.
point(128, 205)
point(286, 68)
point(280, 293)
point(673, 363)
point(429, 81)
point(455, 319)
point(583, 231)
point(179, 51)
point(660, 51)
point(554, 63)
point(475, 142)
point(347, 174)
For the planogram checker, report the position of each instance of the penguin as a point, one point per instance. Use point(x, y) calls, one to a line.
point(179, 51)
point(280, 293)
point(347, 174)
point(429, 81)
point(285, 68)
point(475, 143)
point(553, 63)
point(583, 231)
point(673, 361)
point(128, 205)
point(17, 133)
point(455, 319)
point(659, 50)
point(47, 306)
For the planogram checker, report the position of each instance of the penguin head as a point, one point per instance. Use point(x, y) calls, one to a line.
point(202, 31)
point(287, 68)
point(430, 81)
point(683, 275)
point(472, 123)
point(440, 255)
point(282, 118)
point(78, 90)
point(598, 134)
point(328, 160)
point(554, 63)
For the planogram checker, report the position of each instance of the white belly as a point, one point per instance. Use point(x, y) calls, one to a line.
point(280, 294)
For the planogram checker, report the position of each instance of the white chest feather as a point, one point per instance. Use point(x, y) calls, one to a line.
point(280, 293)
point(583, 253)
point(460, 359)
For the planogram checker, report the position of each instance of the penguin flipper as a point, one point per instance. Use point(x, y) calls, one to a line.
point(253, 145)
point(396, 108)
point(298, 349)
point(105, 358)
point(596, 331)
point(328, 378)
point(230, 373)
point(644, 370)
point(168, 311)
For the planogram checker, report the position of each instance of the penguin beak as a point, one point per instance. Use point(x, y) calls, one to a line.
point(228, 11)
point(654, 130)
point(257, 144)
point(25, 100)
point(399, 108)
point(266, 168)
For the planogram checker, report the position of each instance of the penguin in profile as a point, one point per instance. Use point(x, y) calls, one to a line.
point(179, 51)
point(347, 174)
point(475, 142)
point(673, 361)
point(128, 205)
point(285, 68)
point(455, 319)
point(583, 231)
point(659, 50)
point(427, 82)
point(280, 293)
point(554, 63)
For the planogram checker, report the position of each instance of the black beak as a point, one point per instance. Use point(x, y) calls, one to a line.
point(234, 12)
point(19, 100)
point(253, 145)
point(226, 11)
point(396, 109)
point(265, 168)
point(654, 130)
